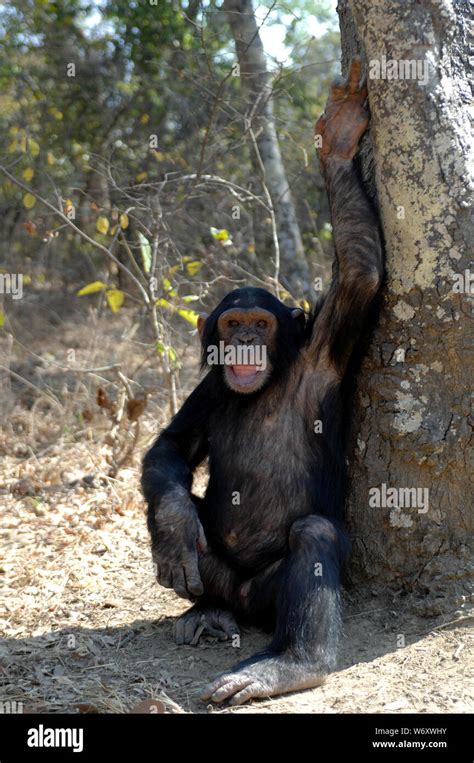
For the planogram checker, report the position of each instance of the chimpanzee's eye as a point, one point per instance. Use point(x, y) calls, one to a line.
point(233, 324)
point(262, 324)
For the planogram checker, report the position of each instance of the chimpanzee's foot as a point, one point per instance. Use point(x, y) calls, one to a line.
point(204, 621)
point(263, 675)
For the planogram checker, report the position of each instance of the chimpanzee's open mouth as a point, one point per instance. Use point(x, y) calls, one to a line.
point(245, 375)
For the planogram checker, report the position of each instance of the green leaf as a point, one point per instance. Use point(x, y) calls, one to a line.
point(33, 147)
point(91, 288)
point(167, 351)
point(325, 234)
point(172, 354)
point(2, 319)
point(145, 250)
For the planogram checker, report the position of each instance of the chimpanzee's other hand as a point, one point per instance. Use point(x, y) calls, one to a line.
point(177, 538)
point(345, 118)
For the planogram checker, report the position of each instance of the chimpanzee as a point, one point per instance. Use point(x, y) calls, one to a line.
point(266, 544)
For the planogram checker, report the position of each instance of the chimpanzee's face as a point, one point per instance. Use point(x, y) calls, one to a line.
point(253, 337)
point(247, 337)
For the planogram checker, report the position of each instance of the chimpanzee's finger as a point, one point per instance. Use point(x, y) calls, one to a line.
point(192, 576)
point(179, 583)
point(353, 78)
point(228, 625)
point(179, 631)
point(338, 89)
point(166, 577)
point(214, 630)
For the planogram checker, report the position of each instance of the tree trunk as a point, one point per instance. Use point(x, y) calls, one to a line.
point(257, 91)
point(413, 405)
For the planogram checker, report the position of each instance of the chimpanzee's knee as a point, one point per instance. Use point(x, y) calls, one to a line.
point(316, 534)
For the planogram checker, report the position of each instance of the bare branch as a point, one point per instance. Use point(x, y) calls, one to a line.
point(83, 235)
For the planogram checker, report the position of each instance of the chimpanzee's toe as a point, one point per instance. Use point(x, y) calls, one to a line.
point(237, 687)
point(199, 622)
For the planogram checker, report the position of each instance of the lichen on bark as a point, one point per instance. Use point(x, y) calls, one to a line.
point(413, 408)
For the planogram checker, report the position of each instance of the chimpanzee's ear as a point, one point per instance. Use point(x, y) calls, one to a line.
point(300, 316)
point(201, 323)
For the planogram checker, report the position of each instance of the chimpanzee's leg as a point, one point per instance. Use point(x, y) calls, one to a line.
point(257, 596)
point(308, 618)
point(211, 614)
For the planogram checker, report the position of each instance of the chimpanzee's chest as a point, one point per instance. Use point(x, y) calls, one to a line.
point(265, 460)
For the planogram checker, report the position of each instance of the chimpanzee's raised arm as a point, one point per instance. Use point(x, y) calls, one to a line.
point(175, 529)
point(358, 268)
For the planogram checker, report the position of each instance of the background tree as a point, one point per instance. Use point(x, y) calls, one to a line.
point(265, 150)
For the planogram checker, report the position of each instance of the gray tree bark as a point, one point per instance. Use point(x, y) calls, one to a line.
point(413, 408)
point(257, 91)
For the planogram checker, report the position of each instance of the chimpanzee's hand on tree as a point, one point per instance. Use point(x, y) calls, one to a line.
point(177, 539)
point(345, 118)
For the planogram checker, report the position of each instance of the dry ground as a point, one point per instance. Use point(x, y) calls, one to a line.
point(86, 628)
